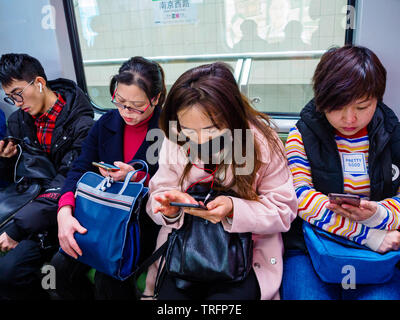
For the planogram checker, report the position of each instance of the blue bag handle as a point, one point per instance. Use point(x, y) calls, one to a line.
point(132, 173)
point(144, 166)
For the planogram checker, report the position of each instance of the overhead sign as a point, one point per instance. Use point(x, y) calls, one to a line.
point(174, 12)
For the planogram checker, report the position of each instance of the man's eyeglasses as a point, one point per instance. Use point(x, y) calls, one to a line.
point(139, 110)
point(17, 96)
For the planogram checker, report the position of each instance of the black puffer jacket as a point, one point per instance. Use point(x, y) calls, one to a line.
point(71, 128)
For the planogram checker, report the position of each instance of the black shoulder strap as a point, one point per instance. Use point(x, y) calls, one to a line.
point(160, 252)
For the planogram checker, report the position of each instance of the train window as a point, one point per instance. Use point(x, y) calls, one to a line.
point(272, 45)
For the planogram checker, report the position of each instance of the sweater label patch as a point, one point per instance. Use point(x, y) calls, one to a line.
point(354, 163)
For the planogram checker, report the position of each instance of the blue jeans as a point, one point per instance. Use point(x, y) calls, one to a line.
point(300, 282)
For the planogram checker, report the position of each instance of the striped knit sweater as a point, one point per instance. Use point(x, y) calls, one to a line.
point(312, 204)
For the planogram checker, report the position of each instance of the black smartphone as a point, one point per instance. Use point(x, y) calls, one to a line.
point(339, 198)
point(106, 166)
point(14, 140)
point(188, 205)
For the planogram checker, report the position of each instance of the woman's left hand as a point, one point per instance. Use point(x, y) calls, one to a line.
point(218, 209)
point(366, 210)
point(120, 174)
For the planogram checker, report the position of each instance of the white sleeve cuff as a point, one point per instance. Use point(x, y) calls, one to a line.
point(174, 219)
point(375, 238)
point(229, 220)
point(377, 218)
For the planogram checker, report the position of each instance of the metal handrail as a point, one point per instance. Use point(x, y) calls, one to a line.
point(242, 69)
point(267, 56)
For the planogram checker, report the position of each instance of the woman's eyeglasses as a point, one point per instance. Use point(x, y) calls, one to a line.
point(119, 105)
point(17, 96)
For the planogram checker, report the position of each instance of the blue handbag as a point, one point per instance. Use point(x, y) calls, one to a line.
point(110, 213)
point(330, 253)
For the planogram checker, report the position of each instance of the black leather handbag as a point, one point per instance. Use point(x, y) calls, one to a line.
point(200, 251)
point(203, 252)
point(31, 171)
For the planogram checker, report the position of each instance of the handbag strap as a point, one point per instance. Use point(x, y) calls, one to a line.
point(107, 181)
point(132, 173)
point(16, 165)
point(138, 161)
point(160, 252)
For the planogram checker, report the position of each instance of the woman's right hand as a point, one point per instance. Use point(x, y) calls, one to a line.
point(172, 196)
point(390, 242)
point(67, 226)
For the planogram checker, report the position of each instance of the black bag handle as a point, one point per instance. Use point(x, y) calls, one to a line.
point(160, 252)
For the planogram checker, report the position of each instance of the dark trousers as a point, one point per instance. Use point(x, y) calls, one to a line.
point(20, 268)
point(20, 276)
point(247, 289)
point(73, 283)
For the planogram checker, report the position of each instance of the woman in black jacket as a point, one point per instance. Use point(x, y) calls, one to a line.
point(119, 136)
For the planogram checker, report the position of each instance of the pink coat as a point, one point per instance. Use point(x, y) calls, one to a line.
point(266, 218)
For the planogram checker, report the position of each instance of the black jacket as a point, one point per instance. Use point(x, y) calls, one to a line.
point(326, 169)
point(71, 128)
point(105, 142)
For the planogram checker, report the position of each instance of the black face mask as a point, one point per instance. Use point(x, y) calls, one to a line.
point(206, 150)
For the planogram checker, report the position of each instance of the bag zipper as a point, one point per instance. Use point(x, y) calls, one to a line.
point(100, 198)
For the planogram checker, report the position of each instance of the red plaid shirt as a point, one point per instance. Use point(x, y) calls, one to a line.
point(46, 122)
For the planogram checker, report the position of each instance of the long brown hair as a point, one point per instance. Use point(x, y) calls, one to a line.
point(214, 88)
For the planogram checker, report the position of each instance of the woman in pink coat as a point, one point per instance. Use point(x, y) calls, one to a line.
point(204, 106)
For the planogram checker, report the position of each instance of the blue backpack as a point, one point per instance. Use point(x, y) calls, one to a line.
point(110, 213)
point(331, 253)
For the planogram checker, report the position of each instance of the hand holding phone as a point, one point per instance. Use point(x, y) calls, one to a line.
point(7, 149)
point(9, 139)
point(167, 197)
point(339, 199)
point(106, 166)
point(188, 205)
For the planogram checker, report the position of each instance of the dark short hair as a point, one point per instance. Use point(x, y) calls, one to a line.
point(347, 74)
point(144, 73)
point(19, 66)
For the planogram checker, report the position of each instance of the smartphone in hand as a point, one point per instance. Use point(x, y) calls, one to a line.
point(106, 166)
point(188, 205)
point(340, 198)
point(9, 139)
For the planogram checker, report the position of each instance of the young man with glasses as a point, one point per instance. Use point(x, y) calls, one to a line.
point(54, 116)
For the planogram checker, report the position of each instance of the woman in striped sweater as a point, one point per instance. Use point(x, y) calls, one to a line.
point(346, 141)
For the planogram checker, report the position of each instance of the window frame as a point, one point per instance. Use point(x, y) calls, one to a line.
point(80, 71)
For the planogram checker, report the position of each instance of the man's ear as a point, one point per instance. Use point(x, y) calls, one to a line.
point(40, 82)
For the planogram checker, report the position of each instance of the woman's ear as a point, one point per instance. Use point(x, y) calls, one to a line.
point(155, 102)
